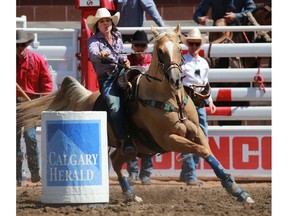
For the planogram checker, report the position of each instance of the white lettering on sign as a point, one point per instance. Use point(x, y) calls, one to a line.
point(89, 3)
point(70, 175)
point(73, 159)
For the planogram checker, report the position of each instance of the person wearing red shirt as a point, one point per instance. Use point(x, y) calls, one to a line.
point(33, 80)
point(139, 46)
point(143, 60)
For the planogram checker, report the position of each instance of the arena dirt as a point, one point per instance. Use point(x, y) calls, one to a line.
point(163, 197)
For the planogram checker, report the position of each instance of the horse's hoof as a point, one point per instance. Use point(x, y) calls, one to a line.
point(232, 188)
point(250, 200)
point(131, 197)
point(138, 199)
point(245, 198)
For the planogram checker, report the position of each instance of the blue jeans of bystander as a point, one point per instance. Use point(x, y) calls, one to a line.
point(190, 164)
point(32, 152)
point(146, 166)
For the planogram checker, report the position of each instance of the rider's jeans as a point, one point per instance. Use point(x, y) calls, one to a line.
point(111, 94)
point(190, 164)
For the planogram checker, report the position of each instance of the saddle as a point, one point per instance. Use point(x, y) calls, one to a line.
point(127, 81)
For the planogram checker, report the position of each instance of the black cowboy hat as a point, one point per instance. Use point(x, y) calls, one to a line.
point(140, 37)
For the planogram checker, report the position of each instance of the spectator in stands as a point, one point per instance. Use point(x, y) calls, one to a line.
point(105, 47)
point(133, 14)
point(195, 72)
point(33, 80)
point(142, 59)
point(233, 12)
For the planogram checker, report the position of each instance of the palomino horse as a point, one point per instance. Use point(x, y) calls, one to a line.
point(163, 113)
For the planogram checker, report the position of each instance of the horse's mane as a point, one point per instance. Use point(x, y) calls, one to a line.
point(168, 32)
point(66, 98)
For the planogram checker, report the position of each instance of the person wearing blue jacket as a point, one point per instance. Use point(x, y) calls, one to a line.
point(133, 14)
point(232, 11)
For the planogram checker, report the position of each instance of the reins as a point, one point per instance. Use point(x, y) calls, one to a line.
point(127, 68)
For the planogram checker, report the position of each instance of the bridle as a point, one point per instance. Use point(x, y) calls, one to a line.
point(165, 68)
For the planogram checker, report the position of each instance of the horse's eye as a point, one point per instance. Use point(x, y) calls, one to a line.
point(160, 55)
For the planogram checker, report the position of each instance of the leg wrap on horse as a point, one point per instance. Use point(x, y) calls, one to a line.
point(227, 181)
point(232, 188)
point(125, 186)
point(217, 167)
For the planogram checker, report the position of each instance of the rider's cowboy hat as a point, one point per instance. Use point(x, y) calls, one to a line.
point(139, 37)
point(24, 37)
point(101, 13)
point(194, 35)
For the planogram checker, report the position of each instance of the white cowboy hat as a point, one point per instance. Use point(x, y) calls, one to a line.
point(194, 35)
point(24, 37)
point(101, 13)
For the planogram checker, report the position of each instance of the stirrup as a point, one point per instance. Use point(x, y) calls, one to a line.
point(128, 149)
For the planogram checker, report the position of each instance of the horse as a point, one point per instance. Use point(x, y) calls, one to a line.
point(162, 116)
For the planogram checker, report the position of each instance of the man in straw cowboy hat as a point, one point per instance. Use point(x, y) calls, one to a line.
point(195, 72)
point(105, 48)
point(33, 79)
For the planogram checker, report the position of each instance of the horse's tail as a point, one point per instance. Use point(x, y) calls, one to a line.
point(67, 98)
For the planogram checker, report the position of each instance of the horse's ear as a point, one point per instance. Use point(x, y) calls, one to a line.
point(177, 30)
point(154, 31)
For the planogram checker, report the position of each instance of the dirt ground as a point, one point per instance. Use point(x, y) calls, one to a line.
point(162, 197)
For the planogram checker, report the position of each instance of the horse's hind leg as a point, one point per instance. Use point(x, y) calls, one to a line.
point(118, 161)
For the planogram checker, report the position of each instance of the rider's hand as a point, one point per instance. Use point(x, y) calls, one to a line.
point(127, 63)
point(103, 54)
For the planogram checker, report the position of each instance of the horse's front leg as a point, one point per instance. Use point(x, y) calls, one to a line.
point(118, 161)
point(177, 143)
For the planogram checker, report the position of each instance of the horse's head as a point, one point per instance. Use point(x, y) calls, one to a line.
point(169, 55)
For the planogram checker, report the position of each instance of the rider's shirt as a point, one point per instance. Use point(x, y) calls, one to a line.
point(96, 43)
